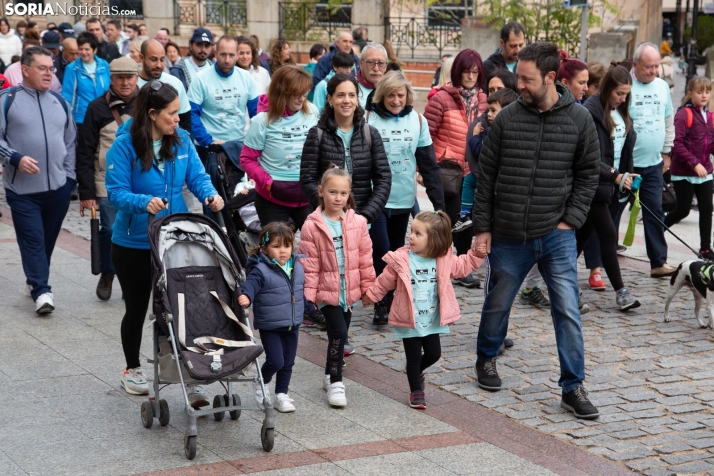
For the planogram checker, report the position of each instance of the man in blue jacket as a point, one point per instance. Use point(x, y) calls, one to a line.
point(324, 66)
point(39, 160)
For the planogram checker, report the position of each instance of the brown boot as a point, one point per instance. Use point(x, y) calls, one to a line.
point(104, 287)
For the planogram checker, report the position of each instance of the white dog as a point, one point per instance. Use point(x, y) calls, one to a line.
point(699, 276)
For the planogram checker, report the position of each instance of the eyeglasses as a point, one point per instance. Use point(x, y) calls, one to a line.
point(380, 64)
point(44, 69)
point(473, 72)
point(297, 97)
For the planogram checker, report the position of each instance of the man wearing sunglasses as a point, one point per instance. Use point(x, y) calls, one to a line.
point(37, 149)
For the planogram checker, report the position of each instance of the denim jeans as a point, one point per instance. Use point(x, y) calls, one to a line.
point(510, 261)
point(107, 215)
point(651, 197)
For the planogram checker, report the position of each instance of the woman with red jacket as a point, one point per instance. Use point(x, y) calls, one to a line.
point(691, 168)
point(449, 113)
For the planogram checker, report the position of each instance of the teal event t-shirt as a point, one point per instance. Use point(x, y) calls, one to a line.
point(618, 136)
point(336, 232)
point(158, 160)
point(346, 139)
point(177, 85)
point(649, 104)
point(401, 137)
point(281, 142)
point(425, 293)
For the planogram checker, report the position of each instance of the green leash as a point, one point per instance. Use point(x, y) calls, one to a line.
point(630, 235)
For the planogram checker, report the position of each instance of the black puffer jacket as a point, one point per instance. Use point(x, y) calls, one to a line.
point(537, 169)
point(371, 175)
point(608, 173)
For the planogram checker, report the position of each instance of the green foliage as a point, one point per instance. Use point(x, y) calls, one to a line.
point(705, 32)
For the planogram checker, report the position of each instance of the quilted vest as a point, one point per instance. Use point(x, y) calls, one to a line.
point(280, 303)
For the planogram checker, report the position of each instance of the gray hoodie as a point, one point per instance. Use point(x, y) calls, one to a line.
point(37, 126)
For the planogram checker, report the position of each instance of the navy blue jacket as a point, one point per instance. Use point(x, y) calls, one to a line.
point(324, 66)
point(278, 300)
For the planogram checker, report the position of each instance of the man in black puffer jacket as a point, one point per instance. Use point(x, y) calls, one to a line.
point(538, 171)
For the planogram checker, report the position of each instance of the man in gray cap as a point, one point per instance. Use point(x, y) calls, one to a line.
point(96, 135)
point(199, 49)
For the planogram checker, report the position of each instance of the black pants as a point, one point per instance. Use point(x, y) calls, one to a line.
point(599, 220)
point(418, 362)
point(462, 240)
point(388, 233)
point(133, 268)
point(338, 323)
point(269, 212)
point(280, 348)
point(685, 191)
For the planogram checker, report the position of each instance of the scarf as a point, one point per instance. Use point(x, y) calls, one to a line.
point(469, 97)
point(363, 81)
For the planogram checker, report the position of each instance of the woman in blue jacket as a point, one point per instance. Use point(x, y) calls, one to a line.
point(149, 161)
point(86, 78)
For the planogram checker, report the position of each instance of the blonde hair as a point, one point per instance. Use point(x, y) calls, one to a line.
point(438, 226)
point(445, 76)
point(391, 82)
point(333, 171)
point(695, 84)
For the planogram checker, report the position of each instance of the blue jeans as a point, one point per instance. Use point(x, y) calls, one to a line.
point(651, 197)
point(38, 220)
point(107, 215)
point(510, 260)
point(468, 189)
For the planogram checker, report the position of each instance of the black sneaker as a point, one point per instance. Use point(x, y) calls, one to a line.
point(584, 308)
point(468, 281)
point(381, 314)
point(535, 298)
point(315, 319)
point(487, 376)
point(577, 401)
point(508, 343)
point(621, 249)
point(416, 400)
point(462, 224)
point(707, 254)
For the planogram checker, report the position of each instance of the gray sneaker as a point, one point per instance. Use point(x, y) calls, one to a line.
point(625, 301)
point(584, 308)
point(535, 298)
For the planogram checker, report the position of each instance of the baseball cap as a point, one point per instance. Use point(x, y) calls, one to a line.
point(51, 39)
point(66, 30)
point(124, 65)
point(202, 35)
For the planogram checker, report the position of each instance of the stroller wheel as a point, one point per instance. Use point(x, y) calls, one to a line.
point(189, 447)
point(236, 402)
point(218, 403)
point(267, 438)
point(164, 415)
point(147, 414)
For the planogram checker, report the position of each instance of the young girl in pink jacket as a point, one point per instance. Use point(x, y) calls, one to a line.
point(424, 301)
point(338, 268)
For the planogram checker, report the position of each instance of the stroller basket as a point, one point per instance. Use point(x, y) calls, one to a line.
point(200, 333)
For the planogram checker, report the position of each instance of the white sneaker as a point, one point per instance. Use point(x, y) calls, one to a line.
point(336, 395)
point(283, 403)
point(197, 397)
point(326, 383)
point(45, 304)
point(258, 394)
point(134, 382)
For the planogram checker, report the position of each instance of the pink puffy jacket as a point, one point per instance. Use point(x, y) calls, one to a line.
point(396, 276)
point(322, 274)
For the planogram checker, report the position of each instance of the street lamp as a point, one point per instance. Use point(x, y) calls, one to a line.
point(692, 60)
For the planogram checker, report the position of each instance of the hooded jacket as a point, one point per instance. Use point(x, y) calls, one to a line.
point(371, 175)
point(10, 45)
point(537, 169)
point(96, 136)
point(278, 300)
point(79, 88)
point(692, 145)
point(322, 273)
point(494, 62)
point(397, 276)
point(130, 189)
point(448, 124)
point(608, 172)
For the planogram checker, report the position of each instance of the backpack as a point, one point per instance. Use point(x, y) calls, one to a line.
point(690, 119)
point(11, 92)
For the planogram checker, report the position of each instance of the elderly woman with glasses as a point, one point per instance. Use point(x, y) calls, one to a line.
point(272, 150)
point(147, 166)
point(449, 112)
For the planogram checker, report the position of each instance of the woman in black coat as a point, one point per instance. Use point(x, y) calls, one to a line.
point(609, 109)
point(342, 137)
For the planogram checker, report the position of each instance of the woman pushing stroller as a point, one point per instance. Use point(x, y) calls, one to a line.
point(147, 166)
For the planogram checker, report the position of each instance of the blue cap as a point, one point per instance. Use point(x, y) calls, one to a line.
point(202, 35)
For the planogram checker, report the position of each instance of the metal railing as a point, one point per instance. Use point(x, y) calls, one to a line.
point(225, 14)
point(313, 21)
point(423, 37)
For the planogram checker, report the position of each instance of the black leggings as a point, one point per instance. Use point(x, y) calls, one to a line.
point(600, 221)
point(418, 362)
point(269, 212)
point(685, 191)
point(338, 323)
point(133, 268)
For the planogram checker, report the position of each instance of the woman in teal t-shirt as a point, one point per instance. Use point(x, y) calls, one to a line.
point(272, 151)
point(408, 146)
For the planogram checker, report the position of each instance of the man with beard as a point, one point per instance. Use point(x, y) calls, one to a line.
point(513, 39)
point(152, 58)
point(538, 171)
point(199, 48)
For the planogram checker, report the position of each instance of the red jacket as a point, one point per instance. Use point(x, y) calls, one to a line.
point(692, 145)
point(448, 124)
point(322, 273)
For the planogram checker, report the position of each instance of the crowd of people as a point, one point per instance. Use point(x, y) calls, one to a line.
point(532, 153)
